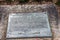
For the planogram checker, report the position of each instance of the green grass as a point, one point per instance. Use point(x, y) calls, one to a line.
point(58, 3)
point(9, 0)
point(23, 1)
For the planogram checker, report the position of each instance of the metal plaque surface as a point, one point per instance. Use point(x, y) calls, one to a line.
point(28, 25)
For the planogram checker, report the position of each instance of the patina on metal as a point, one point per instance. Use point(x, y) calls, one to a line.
point(28, 25)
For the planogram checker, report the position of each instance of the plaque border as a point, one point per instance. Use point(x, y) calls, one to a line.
point(30, 37)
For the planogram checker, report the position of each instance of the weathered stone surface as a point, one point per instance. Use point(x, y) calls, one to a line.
point(28, 25)
point(49, 7)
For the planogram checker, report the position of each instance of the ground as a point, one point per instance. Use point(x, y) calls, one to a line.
point(56, 31)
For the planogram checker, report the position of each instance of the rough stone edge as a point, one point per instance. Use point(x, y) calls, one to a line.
point(18, 5)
